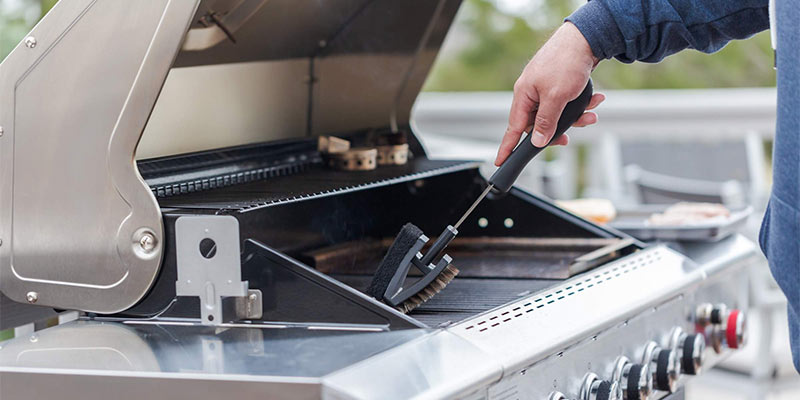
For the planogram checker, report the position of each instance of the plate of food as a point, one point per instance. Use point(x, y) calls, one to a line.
point(681, 222)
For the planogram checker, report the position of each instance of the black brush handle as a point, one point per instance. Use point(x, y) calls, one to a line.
point(507, 174)
point(439, 245)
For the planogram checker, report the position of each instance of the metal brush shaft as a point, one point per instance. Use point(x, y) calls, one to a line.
point(472, 207)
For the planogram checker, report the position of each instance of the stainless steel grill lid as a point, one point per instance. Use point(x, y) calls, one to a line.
point(296, 68)
point(79, 227)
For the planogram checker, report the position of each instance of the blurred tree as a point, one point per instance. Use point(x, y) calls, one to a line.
point(47, 5)
point(17, 17)
point(487, 49)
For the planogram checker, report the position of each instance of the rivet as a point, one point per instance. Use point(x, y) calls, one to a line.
point(1, 242)
point(32, 297)
point(30, 42)
point(2, 131)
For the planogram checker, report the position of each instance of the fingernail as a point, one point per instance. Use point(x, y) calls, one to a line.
point(538, 139)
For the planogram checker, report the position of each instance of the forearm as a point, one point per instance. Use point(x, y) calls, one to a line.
point(649, 30)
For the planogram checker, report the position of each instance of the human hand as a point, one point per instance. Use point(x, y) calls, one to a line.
point(555, 76)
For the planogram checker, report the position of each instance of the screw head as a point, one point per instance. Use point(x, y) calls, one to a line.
point(147, 242)
point(32, 297)
point(2, 131)
point(30, 42)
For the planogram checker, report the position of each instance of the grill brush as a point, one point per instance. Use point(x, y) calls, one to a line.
point(405, 251)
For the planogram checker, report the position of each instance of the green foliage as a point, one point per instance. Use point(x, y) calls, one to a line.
point(17, 20)
point(496, 46)
point(489, 48)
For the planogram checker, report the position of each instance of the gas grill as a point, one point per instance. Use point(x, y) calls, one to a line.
point(163, 175)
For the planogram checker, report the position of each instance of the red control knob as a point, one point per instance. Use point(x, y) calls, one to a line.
point(735, 329)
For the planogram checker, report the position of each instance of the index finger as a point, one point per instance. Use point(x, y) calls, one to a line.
point(520, 117)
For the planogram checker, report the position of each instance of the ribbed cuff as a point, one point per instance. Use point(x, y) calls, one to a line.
point(599, 28)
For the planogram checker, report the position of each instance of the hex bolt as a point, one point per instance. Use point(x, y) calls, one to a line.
point(30, 42)
point(32, 297)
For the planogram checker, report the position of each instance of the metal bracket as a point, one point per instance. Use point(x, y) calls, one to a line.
point(249, 307)
point(209, 262)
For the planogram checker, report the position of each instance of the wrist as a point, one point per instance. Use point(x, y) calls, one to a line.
point(582, 47)
point(599, 28)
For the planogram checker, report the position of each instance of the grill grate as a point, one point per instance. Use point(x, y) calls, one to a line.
point(315, 182)
point(464, 297)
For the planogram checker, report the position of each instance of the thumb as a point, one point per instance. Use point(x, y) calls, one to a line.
point(546, 121)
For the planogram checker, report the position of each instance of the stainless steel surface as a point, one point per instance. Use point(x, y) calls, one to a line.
point(212, 273)
point(656, 273)
point(437, 366)
point(92, 359)
point(474, 204)
point(74, 106)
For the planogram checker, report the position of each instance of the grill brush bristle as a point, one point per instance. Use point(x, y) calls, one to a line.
point(429, 291)
point(387, 283)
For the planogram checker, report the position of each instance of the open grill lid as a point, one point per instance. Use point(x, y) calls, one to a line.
point(257, 70)
point(80, 229)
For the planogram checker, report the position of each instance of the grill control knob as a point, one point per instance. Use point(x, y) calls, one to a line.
point(635, 380)
point(718, 314)
point(665, 367)
point(594, 388)
point(556, 396)
point(714, 336)
point(702, 315)
point(668, 370)
point(692, 349)
point(707, 314)
point(735, 329)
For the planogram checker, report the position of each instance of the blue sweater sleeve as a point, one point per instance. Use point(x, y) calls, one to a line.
point(649, 30)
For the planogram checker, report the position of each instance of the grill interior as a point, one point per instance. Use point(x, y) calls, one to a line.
point(340, 223)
